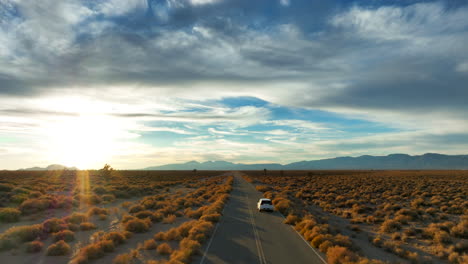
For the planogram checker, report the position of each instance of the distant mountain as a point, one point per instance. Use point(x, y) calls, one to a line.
point(428, 161)
point(51, 167)
point(216, 165)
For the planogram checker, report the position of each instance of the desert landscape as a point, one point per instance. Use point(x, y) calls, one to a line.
point(108, 216)
point(111, 216)
point(234, 132)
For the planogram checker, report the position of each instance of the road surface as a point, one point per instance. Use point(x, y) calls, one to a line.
point(245, 235)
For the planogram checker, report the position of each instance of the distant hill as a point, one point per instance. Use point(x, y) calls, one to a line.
point(216, 165)
point(428, 161)
point(50, 167)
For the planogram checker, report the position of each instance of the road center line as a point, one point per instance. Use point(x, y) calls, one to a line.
point(261, 254)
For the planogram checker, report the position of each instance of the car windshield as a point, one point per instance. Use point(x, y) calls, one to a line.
point(266, 202)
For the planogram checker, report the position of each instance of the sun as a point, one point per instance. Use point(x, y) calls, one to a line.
point(84, 141)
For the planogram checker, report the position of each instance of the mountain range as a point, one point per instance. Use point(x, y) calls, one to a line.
point(428, 161)
point(51, 167)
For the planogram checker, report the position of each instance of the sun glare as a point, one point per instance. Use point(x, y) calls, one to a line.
point(85, 141)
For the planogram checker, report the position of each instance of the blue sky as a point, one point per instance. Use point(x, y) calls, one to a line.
point(139, 83)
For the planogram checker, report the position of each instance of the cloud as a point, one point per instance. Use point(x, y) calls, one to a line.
point(160, 65)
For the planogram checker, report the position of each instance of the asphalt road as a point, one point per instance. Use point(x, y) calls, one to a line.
point(245, 235)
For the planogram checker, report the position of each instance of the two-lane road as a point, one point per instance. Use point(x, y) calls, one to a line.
point(246, 236)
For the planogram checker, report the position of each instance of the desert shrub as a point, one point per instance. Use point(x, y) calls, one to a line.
point(282, 205)
point(338, 255)
point(157, 217)
point(35, 205)
point(116, 237)
point(195, 214)
point(390, 225)
point(91, 251)
point(98, 211)
point(164, 249)
point(160, 236)
point(211, 217)
point(9, 215)
point(106, 245)
point(127, 218)
point(135, 209)
point(199, 231)
point(65, 235)
point(33, 246)
point(76, 218)
point(291, 219)
point(319, 239)
point(173, 234)
point(170, 219)
point(19, 234)
point(123, 259)
point(87, 226)
point(138, 225)
point(442, 237)
point(325, 246)
point(262, 188)
point(144, 214)
point(150, 244)
point(461, 229)
point(59, 248)
point(54, 225)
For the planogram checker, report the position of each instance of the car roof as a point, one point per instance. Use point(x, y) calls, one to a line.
point(264, 199)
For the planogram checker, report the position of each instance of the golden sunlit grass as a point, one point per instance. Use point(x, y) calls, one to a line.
point(80, 196)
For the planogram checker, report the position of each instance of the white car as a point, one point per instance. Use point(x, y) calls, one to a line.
point(265, 204)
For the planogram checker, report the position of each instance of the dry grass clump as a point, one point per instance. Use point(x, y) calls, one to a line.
point(262, 188)
point(150, 244)
point(164, 249)
point(35, 205)
point(54, 225)
point(104, 243)
point(14, 236)
point(65, 235)
point(136, 208)
point(138, 225)
point(59, 248)
point(461, 229)
point(170, 219)
point(283, 205)
point(97, 211)
point(200, 231)
point(76, 218)
point(33, 246)
point(339, 255)
point(291, 219)
point(390, 225)
point(9, 215)
point(211, 217)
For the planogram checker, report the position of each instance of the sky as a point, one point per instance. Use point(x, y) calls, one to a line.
point(138, 83)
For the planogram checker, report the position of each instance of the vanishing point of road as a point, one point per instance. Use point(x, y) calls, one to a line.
point(245, 235)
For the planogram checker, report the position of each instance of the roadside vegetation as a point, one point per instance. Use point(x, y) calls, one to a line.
point(88, 216)
point(413, 216)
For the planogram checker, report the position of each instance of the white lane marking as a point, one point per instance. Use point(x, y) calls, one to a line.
point(261, 254)
point(303, 239)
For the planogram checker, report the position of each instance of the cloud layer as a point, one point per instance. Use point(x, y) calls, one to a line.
point(399, 69)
